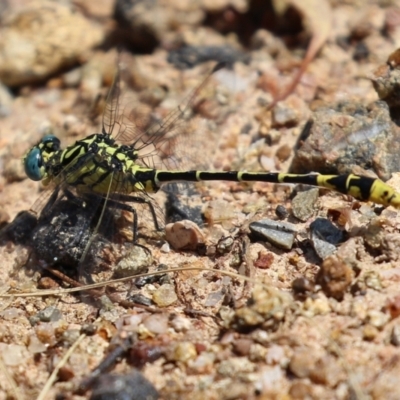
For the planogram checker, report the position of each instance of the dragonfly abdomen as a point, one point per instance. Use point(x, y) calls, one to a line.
point(360, 187)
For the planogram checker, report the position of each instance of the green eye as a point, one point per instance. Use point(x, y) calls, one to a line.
point(35, 159)
point(33, 164)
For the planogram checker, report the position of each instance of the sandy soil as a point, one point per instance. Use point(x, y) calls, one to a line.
point(249, 320)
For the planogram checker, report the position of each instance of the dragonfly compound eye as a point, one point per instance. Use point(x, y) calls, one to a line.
point(33, 164)
point(36, 158)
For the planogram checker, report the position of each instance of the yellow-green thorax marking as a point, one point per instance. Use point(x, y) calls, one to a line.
point(95, 163)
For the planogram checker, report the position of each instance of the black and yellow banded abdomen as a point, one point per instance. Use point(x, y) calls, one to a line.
point(360, 187)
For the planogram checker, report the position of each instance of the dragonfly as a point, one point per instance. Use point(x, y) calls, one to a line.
point(115, 170)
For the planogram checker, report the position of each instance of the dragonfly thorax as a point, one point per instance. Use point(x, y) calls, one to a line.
point(96, 163)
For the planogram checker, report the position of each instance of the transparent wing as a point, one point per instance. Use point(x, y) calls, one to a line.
point(170, 143)
point(111, 112)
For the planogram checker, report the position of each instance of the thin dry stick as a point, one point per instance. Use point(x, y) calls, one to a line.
point(14, 388)
point(61, 292)
point(53, 376)
point(317, 16)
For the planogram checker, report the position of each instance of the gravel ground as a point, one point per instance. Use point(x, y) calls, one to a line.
point(308, 314)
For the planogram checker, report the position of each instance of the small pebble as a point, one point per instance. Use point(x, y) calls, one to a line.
point(395, 335)
point(184, 351)
point(184, 235)
point(284, 152)
point(375, 234)
point(264, 260)
point(6, 100)
point(258, 353)
point(267, 307)
point(271, 379)
point(13, 354)
point(165, 296)
point(281, 234)
point(302, 285)
point(325, 237)
point(373, 280)
point(284, 114)
point(242, 346)
point(35, 345)
point(302, 363)
point(139, 298)
point(234, 366)
point(142, 352)
point(72, 77)
point(393, 307)
point(281, 212)
point(214, 298)
point(49, 314)
point(70, 336)
point(181, 323)
point(275, 355)
point(377, 319)
point(45, 332)
point(326, 372)
point(224, 245)
point(203, 363)
point(335, 276)
point(303, 204)
point(89, 329)
point(301, 390)
point(156, 323)
point(11, 313)
point(316, 306)
point(370, 332)
point(137, 261)
point(146, 280)
point(165, 248)
point(124, 387)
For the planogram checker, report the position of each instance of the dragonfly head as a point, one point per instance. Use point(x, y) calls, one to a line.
point(37, 157)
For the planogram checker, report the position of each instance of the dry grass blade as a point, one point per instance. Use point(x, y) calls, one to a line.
point(53, 376)
point(62, 292)
point(14, 387)
point(317, 19)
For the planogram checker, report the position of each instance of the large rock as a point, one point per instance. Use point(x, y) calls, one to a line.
point(42, 38)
